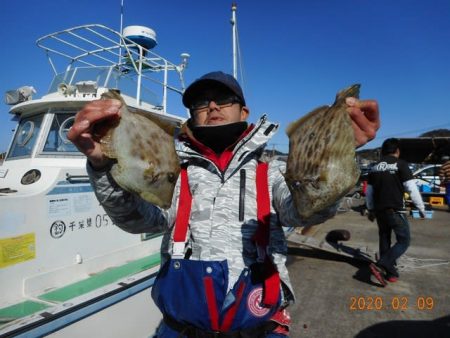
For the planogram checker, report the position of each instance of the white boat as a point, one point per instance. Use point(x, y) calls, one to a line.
point(65, 269)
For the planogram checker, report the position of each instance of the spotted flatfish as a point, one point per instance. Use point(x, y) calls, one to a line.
point(321, 166)
point(143, 147)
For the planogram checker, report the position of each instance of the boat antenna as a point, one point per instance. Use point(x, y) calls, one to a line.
point(236, 48)
point(121, 17)
point(121, 31)
point(234, 31)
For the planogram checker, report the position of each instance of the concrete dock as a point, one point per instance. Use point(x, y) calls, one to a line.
point(335, 297)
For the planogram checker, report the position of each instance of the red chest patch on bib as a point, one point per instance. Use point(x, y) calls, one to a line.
point(254, 303)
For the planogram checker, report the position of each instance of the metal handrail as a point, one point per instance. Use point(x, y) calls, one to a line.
point(123, 43)
point(78, 46)
point(77, 178)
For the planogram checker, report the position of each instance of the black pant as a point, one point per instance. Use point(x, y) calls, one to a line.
point(388, 221)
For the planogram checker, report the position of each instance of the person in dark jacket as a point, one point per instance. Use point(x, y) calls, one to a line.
point(388, 181)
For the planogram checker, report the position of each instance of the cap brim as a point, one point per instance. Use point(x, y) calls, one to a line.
point(197, 87)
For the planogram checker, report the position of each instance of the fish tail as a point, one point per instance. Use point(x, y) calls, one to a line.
point(352, 91)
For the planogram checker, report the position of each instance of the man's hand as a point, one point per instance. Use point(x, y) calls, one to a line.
point(90, 124)
point(421, 214)
point(371, 215)
point(365, 119)
point(444, 172)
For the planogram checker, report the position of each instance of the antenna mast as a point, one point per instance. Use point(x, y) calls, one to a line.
point(234, 28)
point(121, 31)
point(121, 17)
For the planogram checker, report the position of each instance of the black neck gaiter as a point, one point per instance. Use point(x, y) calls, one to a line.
point(218, 138)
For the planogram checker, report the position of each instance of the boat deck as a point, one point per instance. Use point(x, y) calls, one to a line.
point(335, 297)
point(111, 278)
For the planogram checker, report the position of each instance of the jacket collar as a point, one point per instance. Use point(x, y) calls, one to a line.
point(253, 141)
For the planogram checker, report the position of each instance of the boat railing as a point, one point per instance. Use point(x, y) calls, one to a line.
point(99, 47)
point(108, 77)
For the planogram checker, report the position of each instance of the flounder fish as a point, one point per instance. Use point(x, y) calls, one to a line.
point(144, 150)
point(321, 166)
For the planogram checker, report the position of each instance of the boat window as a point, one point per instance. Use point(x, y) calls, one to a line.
point(60, 78)
point(125, 82)
point(79, 74)
point(57, 136)
point(26, 136)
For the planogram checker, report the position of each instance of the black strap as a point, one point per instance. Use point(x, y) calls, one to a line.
point(190, 331)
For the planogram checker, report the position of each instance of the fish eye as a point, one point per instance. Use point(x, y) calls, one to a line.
point(171, 177)
point(312, 135)
point(296, 185)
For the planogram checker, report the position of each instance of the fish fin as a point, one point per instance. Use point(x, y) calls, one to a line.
point(168, 127)
point(352, 91)
point(285, 176)
point(294, 125)
point(155, 200)
point(113, 94)
point(106, 145)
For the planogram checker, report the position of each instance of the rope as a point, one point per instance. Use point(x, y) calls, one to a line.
point(410, 263)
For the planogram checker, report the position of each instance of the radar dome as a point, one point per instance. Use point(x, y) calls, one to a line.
point(144, 36)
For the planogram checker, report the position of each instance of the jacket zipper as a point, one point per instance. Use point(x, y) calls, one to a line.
point(243, 142)
point(242, 195)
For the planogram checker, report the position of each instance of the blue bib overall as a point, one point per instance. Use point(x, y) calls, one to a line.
point(194, 294)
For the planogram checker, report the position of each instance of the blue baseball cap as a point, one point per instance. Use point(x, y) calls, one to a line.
point(209, 80)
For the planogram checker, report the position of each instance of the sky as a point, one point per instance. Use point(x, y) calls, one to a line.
point(295, 54)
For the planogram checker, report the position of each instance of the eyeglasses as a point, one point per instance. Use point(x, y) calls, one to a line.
point(202, 105)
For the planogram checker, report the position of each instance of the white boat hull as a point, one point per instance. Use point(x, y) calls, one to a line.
point(134, 317)
point(65, 269)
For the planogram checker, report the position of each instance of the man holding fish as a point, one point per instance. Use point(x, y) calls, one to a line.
point(223, 270)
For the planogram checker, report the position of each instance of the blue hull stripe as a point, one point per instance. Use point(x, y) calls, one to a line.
point(59, 321)
point(70, 190)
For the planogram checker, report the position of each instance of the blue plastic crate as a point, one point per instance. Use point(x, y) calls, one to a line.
point(428, 214)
